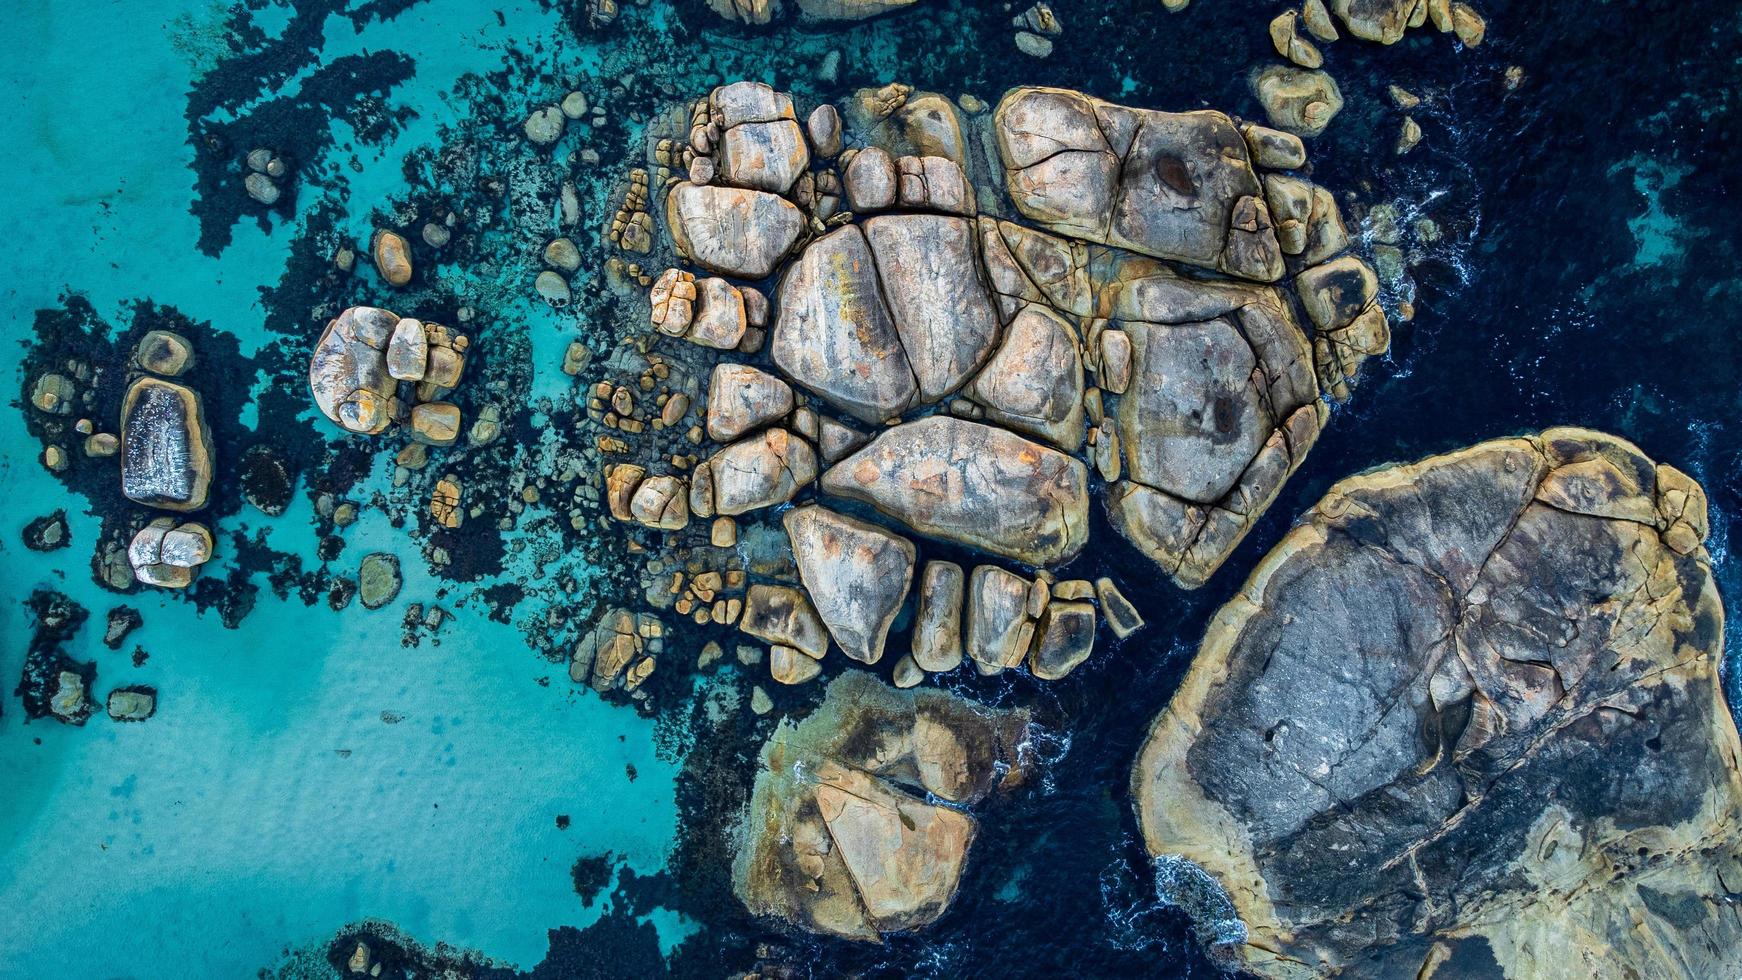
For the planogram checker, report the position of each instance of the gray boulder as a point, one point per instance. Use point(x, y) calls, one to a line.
point(1465, 720)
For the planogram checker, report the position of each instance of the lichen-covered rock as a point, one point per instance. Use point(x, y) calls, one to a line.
point(760, 470)
point(834, 334)
point(348, 370)
point(973, 484)
point(742, 398)
point(166, 447)
point(1465, 720)
point(839, 837)
point(857, 575)
point(733, 231)
point(1172, 185)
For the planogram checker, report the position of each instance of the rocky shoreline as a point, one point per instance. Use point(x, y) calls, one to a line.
point(866, 386)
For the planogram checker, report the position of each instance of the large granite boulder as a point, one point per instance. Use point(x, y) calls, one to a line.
point(734, 231)
point(834, 334)
point(857, 575)
point(1465, 720)
point(348, 371)
point(972, 484)
point(880, 317)
point(761, 144)
point(166, 447)
point(1220, 406)
point(1173, 185)
point(841, 838)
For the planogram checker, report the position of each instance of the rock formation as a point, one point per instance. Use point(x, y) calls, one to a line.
point(166, 447)
point(1173, 329)
point(372, 368)
point(1465, 720)
point(841, 837)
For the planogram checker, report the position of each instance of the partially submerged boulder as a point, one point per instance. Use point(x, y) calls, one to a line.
point(166, 447)
point(1466, 720)
point(840, 838)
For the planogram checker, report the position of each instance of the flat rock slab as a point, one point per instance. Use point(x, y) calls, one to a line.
point(974, 484)
point(840, 837)
point(1465, 720)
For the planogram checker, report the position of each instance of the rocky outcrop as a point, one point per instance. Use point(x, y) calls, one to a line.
point(759, 143)
point(1300, 102)
point(1221, 406)
point(1176, 186)
point(168, 553)
point(760, 470)
point(166, 447)
point(857, 575)
point(1464, 720)
point(972, 484)
point(840, 837)
point(372, 368)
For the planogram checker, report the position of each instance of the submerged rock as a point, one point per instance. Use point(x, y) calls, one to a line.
point(840, 839)
point(1465, 719)
point(166, 458)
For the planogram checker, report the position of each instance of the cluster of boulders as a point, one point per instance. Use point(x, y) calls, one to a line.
point(937, 321)
point(859, 823)
point(166, 462)
point(372, 369)
point(169, 553)
point(267, 174)
point(1301, 98)
point(1466, 719)
point(1039, 341)
point(1035, 29)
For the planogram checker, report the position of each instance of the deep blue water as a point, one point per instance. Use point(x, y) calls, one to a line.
point(1588, 275)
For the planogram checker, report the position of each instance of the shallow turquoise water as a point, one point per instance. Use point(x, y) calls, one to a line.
point(268, 801)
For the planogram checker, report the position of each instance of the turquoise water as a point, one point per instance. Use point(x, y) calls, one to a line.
point(307, 771)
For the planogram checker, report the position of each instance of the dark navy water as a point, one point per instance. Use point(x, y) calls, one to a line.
point(1587, 272)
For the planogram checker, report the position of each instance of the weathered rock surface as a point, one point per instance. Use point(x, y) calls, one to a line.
point(1222, 405)
point(742, 398)
point(857, 575)
point(1172, 185)
point(166, 447)
point(1298, 101)
point(1034, 382)
point(839, 838)
point(937, 627)
point(761, 145)
point(782, 615)
point(1465, 720)
point(733, 231)
point(849, 9)
point(974, 484)
point(834, 335)
point(760, 470)
point(348, 371)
